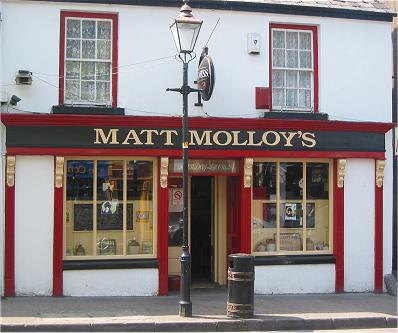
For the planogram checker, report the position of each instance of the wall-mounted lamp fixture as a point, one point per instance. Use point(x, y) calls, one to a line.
point(14, 100)
point(23, 77)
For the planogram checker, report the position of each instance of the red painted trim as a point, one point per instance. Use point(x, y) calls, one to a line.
point(314, 30)
point(14, 119)
point(245, 213)
point(338, 231)
point(176, 153)
point(58, 240)
point(270, 64)
point(9, 246)
point(378, 243)
point(163, 209)
point(108, 16)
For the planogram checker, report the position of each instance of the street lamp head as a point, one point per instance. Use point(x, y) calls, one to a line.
point(185, 29)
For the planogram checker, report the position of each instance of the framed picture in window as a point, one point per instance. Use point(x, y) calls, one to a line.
point(290, 241)
point(269, 215)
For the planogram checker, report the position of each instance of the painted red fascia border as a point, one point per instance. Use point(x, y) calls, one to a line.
point(9, 241)
point(163, 208)
point(378, 241)
point(58, 239)
point(176, 153)
point(338, 231)
point(314, 30)
point(95, 15)
point(13, 119)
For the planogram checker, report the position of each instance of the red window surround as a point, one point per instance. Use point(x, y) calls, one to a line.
point(114, 68)
point(315, 57)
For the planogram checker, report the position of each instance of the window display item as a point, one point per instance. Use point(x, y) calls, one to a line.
point(133, 247)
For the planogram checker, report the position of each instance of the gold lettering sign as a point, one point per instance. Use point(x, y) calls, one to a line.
point(215, 138)
point(206, 166)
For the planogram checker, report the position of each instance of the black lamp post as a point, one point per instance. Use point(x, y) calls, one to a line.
point(185, 30)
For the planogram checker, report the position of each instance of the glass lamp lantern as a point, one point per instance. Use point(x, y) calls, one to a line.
point(185, 30)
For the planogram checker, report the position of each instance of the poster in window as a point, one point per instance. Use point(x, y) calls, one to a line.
point(291, 215)
point(269, 215)
point(311, 215)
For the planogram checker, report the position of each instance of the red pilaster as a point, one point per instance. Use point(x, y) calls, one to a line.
point(338, 231)
point(378, 247)
point(163, 205)
point(245, 213)
point(58, 238)
point(9, 246)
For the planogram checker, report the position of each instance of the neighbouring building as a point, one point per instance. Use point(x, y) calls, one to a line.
point(290, 160)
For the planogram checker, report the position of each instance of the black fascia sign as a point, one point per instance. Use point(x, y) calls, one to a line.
point(206, 76)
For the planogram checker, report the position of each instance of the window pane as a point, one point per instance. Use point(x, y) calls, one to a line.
point(88, 49)
point(140, 196)
point(278, 39)
point(73, 49)
point(317, 181)
point(104, 49)
point(304, 79)
point(305, 41)
point(88, 93)
point(278, 97)
point(73, 28)
point(278, 58)
point(291, 40)
point(103, 71)
point(88, 70)
point(278, 78)
point(291, 79)
point(79, 208)
point(305, 59)
point(104, 30)
point(292, 59)
point(88, 29)
point(291, 97)
point(264, 227)
point(72, 90)
point(264, 180)
point(109, 207)
point(103, 92)
point(305, 98)
point(318, 226)
point(175, 212)
point(72, 70)
point(291, 180)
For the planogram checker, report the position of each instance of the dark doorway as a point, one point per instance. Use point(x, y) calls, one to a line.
point(201, 229)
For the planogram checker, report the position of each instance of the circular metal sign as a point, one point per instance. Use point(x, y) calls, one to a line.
point(206, 77)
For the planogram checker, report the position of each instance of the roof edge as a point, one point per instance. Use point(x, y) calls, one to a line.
point(246, 6)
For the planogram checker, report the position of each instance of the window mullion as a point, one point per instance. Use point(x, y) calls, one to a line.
point(304, 206)
point(277, 206)
point(95, 210)
point(124, 207)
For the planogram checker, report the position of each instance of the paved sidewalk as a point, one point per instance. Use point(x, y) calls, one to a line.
point(272, 312)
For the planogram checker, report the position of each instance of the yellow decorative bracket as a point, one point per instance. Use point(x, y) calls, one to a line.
point(10, 171)
point(380, 165)
point(164, 171)
point(248, 172)
point(59, 171)
point(341, 172)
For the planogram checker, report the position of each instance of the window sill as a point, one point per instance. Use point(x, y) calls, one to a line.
point(89, 110)
point(294, 259)
point(70, 265)
point(302, 115)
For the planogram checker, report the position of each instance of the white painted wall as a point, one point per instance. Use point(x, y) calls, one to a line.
point(354, 60)
point(359, 225)
point(115, 282)
point(34, 225)
point(294, 279)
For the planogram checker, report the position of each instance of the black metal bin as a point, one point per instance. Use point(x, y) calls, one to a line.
point(240, 302)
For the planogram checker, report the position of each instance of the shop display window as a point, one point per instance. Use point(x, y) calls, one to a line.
point(115, 220)
point(291, 210)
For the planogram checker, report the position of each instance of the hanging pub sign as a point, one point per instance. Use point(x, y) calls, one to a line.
point(206, 75)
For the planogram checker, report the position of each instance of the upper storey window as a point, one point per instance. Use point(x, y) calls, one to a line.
point(88, 58)
point(294, 74)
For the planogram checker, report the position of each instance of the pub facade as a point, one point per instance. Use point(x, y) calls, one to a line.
point(290, 160)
